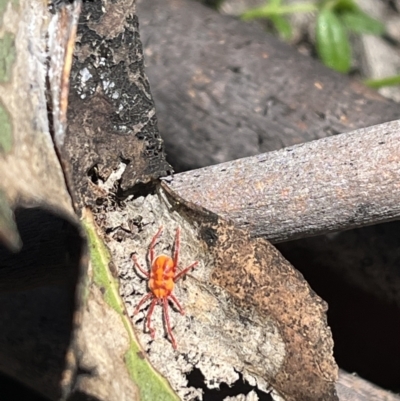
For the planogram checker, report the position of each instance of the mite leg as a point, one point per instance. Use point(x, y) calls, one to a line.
point(178, 305)
point(137, 265)
point(149, 313)
point(184, 271)
point(142, 301)
point(152, 245)
point(167, 322)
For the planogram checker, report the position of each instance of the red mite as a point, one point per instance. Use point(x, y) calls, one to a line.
point(162, 278)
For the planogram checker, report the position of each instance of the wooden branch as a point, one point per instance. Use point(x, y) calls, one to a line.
point(336, 183)
point(353, 388)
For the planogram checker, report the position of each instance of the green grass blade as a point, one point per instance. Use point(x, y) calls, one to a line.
point(380, 83)
point(333, 45)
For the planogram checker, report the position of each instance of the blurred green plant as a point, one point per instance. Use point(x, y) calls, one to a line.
point(380, 83)
point(334, 20)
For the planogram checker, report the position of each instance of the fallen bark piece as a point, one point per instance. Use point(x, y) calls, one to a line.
point(332, 184)
point(247, 309)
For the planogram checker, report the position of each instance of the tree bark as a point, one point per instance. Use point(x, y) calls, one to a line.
point(40, 262)
point(332, 184)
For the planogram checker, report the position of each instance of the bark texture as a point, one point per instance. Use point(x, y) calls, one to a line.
point(332, 184)
point(111, 117)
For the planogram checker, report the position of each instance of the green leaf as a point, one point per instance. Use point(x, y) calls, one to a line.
point(345, 5)
point(282, 25)
point(360, 22)
point(332, 42)
point(258, 12)
point(274, 8)
point(275, 3)
point(380, 83)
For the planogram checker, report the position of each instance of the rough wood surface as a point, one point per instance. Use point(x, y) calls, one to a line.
point(111, 116)
point(225, 89)
point(332, 184)
point(259, 318)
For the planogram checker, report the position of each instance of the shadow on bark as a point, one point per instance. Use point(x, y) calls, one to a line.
point(37, 299)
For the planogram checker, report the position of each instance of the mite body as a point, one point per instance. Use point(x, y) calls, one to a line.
point(164, 273)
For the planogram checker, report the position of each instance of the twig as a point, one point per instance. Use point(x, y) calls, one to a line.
point(332, 184)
